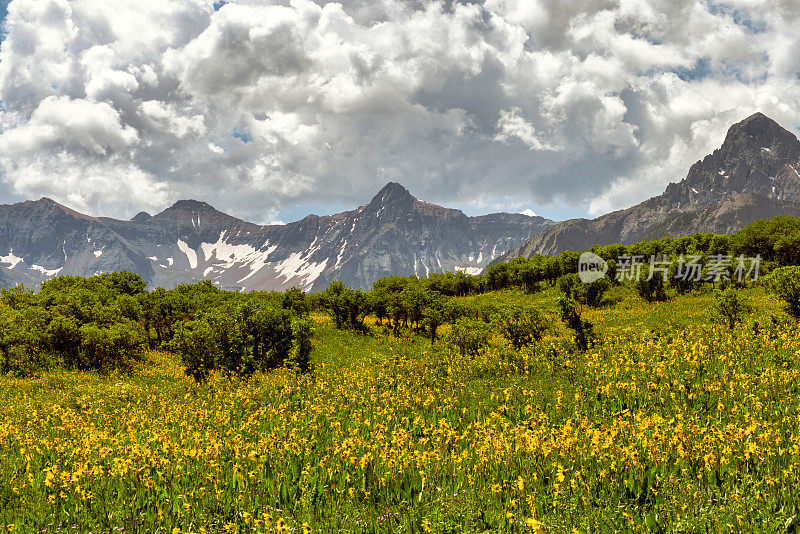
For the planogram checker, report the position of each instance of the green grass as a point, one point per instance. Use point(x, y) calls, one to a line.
point(669, 424)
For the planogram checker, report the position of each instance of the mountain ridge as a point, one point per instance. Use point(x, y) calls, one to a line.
point(395, 233)
point(754, 172)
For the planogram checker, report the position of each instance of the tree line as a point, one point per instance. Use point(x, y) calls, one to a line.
point(108, 321)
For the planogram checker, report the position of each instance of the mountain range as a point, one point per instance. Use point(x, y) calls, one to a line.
point(394, 234)
point(753, 175)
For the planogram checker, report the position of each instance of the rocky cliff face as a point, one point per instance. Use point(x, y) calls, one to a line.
point(753, 175)
point(394, 234)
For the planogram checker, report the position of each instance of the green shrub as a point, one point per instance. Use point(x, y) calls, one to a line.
point(469, 337)
point(106, 347)
point(590, 294)
point(651, 288)
point(730, 307)
point(347, 307)
point(196, 344)
point(523, 325)
point(244, 338)
point(784, 282)
point(300, 355)
point(571, 315)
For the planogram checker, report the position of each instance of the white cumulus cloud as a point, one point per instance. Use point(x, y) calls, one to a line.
point(264, 107)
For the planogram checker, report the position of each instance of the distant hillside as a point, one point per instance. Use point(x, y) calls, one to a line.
point(395, 234)
point(753, 175)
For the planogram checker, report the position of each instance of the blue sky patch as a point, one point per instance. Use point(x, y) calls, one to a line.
point(3, 14)
point(701, 69)
point(242, 136)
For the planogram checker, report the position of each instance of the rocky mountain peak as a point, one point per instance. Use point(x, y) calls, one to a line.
point(392, 193)
point(141, 217)
point(395, 234)
point(45, 203)
point(192, 216)
point(47, 207)
point(758, 133)
point(754, 174)
point(194, 206)
point(191, 209)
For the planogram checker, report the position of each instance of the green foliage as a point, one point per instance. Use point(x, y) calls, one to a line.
point(582, 328)
point(590, 294)
point(243, 338)
point(104, 346)
point(784, 282)
point(457, 284)
point(650, 286)
point(730, 307)
point(523, 325)
point(347, 307)
point(469, 337)
point(195, 342)
point(434, 313)
point(682, 282)
point(21, 340)
point(105, 322)
point(302, 345)
point(776, 239)
point(296, 301)
point(83, 323)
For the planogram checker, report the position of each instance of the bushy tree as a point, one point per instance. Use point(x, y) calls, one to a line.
point(433, 314)
point(378, 301)
point(296, 301)
point(571, 315)
point(106, 321)
point(523, 325)
point(774, 239)
point(568, 284)
point(498, 276)
point(106, 347)
point(347, 307)
point(302, 345)
point(651, 288)
point(243, 338)
point(22, 341)
point(730, 307)
point(196, 344)
point(469, 337)
point(682, 282)
point(784, 283)
point(588, 294)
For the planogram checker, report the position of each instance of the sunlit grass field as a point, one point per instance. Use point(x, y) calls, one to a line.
point(669, 424)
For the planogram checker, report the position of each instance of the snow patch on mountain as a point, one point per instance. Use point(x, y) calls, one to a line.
point(296, 266)
point(341, 254)
point(191, 255)
point(228, 255)
point(475, 271)
point(13, 260)
point(45, 271)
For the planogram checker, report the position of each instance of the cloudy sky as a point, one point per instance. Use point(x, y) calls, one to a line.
point(271, 110)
